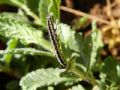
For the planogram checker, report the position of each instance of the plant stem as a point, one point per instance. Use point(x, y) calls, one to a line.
point(30, 13)
point(85, 76)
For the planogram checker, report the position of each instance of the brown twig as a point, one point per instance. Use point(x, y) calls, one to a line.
point(79, 13)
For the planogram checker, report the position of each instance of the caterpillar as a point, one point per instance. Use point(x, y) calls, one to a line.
point(53, 37)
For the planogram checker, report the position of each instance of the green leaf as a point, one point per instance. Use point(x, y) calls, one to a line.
point(26, 6)
point(118, 70)
point(13, 2)
point(86, 48)
point(110, 69)
point(10, 45)
point(14, 16)
point(78, 87)
point(14, 29)
point(67, 38)
point(18, 2)
point(41, 78)
point(49, 7)
point(54, 9)
point(96, 43)
point(75, 41)
point(27, 51)
point(33, 5)
point(80, 23)
point(43, 11)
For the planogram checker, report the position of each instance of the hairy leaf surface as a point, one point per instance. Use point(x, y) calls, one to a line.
point(27, 34)
point(41, 78)
point(25, 51)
